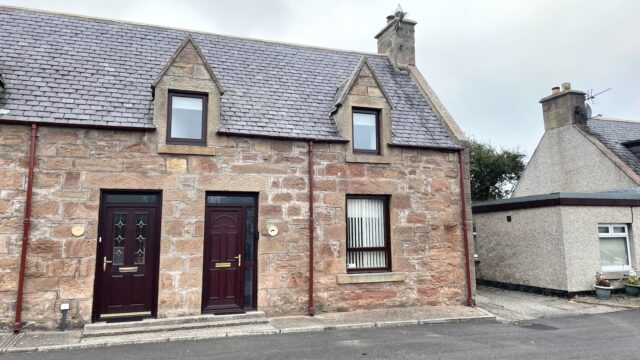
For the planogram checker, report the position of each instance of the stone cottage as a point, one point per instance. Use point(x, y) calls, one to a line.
point(573, 211)
point(157, 172)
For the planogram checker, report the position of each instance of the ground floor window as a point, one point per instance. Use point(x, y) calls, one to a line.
point(368, 246)
point(614, 247)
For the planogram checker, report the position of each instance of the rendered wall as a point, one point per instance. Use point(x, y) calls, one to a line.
point(565, 161)
point(529, 250)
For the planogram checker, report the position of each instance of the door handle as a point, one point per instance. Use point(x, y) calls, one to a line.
point(104, 263)
point(239, 257)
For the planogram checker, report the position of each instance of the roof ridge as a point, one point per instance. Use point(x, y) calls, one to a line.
point(604, 118)
point(126, 22)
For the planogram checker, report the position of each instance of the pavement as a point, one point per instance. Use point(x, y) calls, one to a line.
point(39, 341)
point(601, 336)
point(492, 304)
point(515, 306)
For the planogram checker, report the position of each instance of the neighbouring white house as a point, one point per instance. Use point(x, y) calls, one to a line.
point(573, 212)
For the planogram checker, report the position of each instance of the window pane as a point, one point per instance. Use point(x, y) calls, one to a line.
point(366, 229)
point(614, 252)
point(364, 131)
point(619, 229)
point(366, 259)
point(603, 229)
point(186, 117)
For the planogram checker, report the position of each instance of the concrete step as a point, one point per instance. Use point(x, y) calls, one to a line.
point(172, 324)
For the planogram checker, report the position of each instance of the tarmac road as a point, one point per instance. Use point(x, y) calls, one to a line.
point(601, 336)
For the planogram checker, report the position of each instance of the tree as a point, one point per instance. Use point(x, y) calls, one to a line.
point(494, 174)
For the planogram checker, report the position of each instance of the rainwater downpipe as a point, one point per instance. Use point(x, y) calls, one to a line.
point(465, 228)
point(25, 229)
point(311, 228)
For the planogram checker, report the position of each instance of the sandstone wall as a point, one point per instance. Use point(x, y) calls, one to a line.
point(74, 164)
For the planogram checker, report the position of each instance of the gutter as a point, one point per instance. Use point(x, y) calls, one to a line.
point(311, 228)
point(80, 126)
point(25, 229)
point(465, 228)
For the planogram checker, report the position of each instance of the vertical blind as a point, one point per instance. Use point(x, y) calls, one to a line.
point(366, 245)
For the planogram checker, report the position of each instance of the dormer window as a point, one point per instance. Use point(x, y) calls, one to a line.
point(187, 120)
point(366, 133)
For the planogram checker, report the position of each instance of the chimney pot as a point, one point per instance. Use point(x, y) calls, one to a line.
point(555, 90)
point(566, 86)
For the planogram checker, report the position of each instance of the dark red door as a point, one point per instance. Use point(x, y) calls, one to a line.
point(127, 261)
point(223, 275)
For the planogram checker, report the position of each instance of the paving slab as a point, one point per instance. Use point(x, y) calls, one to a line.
point(288, 324)
point(516, 306)
point(47, 338)
point(616, 300)
point(419, 314)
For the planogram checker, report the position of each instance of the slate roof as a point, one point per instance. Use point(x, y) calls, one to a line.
point(619, 137)
point(81, 71)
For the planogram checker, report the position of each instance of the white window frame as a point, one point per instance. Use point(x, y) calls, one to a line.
point(611, 234)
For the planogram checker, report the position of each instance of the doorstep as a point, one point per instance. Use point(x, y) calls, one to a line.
point(151, 325)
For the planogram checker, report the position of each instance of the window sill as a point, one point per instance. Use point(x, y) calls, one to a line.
point(616, 274)
point(370, 159)
point(186, 150)
point(370, 278)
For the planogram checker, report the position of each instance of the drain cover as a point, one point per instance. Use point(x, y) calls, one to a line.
point(537, 327)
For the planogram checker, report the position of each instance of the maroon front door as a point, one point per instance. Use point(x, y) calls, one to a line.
point(224, 251)
point(127, 259)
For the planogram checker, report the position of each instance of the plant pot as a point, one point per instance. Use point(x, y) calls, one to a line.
point(603, 292)
point(632, 290)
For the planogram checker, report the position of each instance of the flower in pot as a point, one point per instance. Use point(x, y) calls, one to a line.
point(603, 286)
point(632, 284)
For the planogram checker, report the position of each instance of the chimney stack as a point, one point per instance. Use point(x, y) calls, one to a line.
point(563, 108)
point(397, 40)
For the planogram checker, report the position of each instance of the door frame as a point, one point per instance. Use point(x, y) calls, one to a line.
point(97, 283)
point(256, 236)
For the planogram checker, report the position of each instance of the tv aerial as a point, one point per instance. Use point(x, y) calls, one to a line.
point(400, 16)
point(591, 97)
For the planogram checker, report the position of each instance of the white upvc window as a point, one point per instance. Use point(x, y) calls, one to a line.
point(615, 253)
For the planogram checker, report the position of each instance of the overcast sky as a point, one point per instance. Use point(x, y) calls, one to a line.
point(488, 61)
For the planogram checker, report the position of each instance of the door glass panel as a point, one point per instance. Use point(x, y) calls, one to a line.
point(132, 198)
point(248, 287)
point(248, 271)
point(249, 235)
point(142, 222)
point(119, 238)
point(230, 199)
